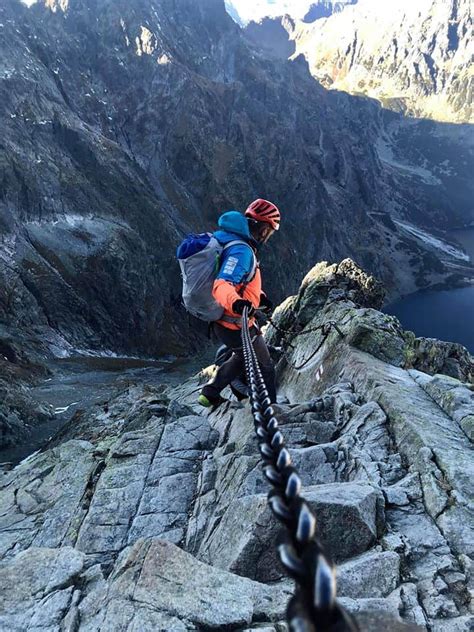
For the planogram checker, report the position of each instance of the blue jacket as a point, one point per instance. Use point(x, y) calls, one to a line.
point(237, 261)
point(233, 282)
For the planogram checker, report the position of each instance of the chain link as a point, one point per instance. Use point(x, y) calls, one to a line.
point(326, 329)
point(313, 608)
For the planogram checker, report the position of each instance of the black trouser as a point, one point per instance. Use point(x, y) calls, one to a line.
point(234, 367)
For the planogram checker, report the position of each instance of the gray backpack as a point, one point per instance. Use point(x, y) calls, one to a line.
point(199, 258)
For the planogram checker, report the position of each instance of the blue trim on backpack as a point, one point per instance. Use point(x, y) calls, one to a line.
point(192, 244)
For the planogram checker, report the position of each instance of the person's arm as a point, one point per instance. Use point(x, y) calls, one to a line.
point(236, 264)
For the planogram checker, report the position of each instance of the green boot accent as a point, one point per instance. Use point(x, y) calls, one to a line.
point(202, 399)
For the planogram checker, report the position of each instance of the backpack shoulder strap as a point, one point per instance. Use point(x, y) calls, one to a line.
point(235, 242)
point(253, 270)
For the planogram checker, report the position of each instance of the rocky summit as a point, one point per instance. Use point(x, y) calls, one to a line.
point(126, 125)
point(145, 514)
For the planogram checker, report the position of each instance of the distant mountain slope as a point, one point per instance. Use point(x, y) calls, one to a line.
point(417, 57)
point(125, 125)
point(325, 8)
point(244, 12)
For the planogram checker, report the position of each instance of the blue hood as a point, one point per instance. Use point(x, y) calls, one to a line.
point(235, 223)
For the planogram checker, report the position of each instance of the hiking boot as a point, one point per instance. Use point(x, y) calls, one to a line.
point(210, 401)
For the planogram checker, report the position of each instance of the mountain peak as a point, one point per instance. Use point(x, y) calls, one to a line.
point(415, 58)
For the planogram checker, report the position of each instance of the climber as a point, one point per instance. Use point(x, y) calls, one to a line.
point(238, 285)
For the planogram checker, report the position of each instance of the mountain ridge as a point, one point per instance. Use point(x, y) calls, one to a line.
point(416, 59)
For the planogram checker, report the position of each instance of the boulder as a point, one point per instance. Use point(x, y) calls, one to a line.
point(348, 278)
point(349, 518)
point(455, 398)
point(437, 356)
point(372, 574)
point(37, 586)
point(316, 464)
point(244, 541)
point(159, 577)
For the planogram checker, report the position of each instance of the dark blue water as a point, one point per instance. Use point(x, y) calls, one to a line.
point(444, 314)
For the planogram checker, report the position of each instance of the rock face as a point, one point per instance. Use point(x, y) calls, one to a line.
point(414, 58)
point(147, 515)
point(126, 125)
point(20, 364)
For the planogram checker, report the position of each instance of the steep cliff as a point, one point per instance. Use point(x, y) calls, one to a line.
point(144, 514)
point(415, 57)
point(125, 125)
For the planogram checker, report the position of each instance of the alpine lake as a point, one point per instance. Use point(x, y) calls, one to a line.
point(445, 314)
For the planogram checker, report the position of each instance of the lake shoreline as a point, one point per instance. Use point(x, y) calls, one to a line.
point(443, 310)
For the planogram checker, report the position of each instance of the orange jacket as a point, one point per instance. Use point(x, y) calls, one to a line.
point(226, 293)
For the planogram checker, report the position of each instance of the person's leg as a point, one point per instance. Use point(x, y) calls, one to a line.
point(228, 370)
point(234, 367)
point(240, 389)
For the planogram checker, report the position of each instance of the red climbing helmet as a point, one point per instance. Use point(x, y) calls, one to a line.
point(264, 211)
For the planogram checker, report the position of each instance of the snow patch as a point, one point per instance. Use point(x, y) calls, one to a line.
point(63, 409)
point(163, 60)
point(29, 458)
point(74, 220)
point(7, 248)
point(434, 242)
point(386, 156)
point(146, 42)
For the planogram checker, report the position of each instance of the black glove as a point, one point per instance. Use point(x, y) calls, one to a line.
point(266, 304)
point(239, 305)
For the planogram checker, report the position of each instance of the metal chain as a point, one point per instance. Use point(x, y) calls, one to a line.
point(313, 608)
point(294, 333)
point(286, 333)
